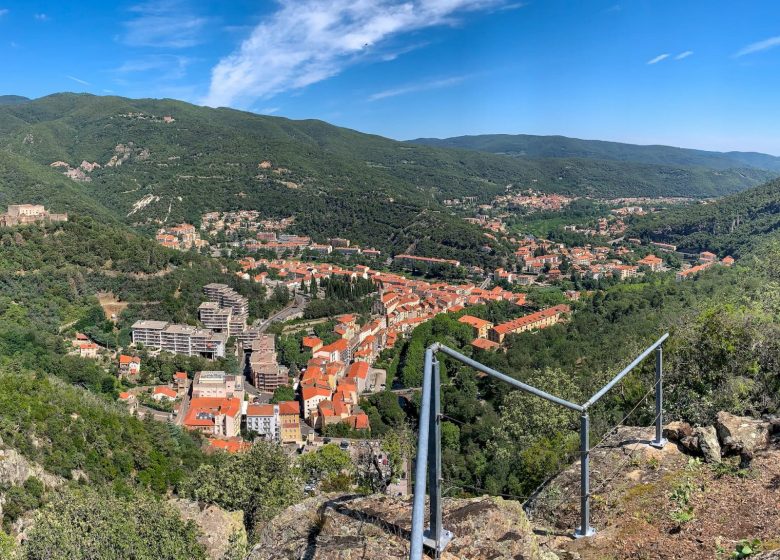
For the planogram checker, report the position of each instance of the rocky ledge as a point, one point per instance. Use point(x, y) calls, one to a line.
point(348, 527)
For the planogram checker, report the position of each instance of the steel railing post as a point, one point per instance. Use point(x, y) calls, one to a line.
point(421, 467)
point(584, 530)
point(434, 457)
point(659, 440)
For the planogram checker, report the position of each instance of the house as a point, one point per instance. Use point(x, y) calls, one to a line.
point(312, 343)
point(707, 257)
point(180, 381)
point(129, 400)
point(358, 373)
point(88, 350)
point(164, 393)
point(129, 366)
point(652, 262)
point(359, 421)
point(727, 261)
point(335, 352)
point(311, 397)
point(484, 344)
point(479, 326)
point(263, 419)
point(233, 445)
point(290, 421)
point(213, 416)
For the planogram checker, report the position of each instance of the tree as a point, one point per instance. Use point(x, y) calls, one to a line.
point(283, 393)
point(327, 461)
point(90, 523)
point(260, 482)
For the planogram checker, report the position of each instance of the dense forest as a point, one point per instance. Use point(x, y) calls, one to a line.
point(529, 146)
point(734, 225)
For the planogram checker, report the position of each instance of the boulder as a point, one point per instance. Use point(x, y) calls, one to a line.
point(222, 532)
point(740, 435)
point(350, 527)
point(676, 431)
point(708, 443)
point(690, 444)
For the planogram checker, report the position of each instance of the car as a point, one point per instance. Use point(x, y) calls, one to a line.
point(344, 444)
point(326, 440)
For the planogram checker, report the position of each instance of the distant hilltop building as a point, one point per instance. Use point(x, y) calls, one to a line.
point(19, 214)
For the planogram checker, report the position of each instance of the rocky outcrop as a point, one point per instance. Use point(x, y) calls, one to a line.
point(709, 445)
point(15, 469)
point(740, 435)
point(221, 531)
point(337, 527)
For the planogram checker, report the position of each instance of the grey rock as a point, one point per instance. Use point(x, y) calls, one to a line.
point(708, 443)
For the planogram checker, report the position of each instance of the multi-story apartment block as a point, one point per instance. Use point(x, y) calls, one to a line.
point(267, 374)
point(290, 421)
point(264, 419)
point(180, 339)
point(218, 384)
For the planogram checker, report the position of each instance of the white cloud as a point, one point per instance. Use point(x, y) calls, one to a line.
point(307, 41)
point(759, 46)
point(79, 80)
point(167, 66)
point(684, 54)
point(164, 24)
point(412, 88)
point(658, 58)
point(269, 110)
point(41, 17)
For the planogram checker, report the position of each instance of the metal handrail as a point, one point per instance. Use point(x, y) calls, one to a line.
point(438, 537)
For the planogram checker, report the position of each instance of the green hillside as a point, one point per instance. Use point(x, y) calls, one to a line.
point(335, 181)
point(530, 146)
point(732, 225)
point(12, 99)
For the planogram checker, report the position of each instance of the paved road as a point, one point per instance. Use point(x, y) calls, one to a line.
point(485, 283)
point(297, 305)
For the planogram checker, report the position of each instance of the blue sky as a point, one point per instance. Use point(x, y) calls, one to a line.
point(684, 73)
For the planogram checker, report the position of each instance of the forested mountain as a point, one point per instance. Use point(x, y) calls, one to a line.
point(12, 99)
point(732, 225)
point(530, 146)
point(165, 161)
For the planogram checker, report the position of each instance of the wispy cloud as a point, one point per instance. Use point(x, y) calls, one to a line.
point(79, 80)
point(269, 110)
point(3, 11)
point(164, 24)
point(166, 66)
point(758, 46)
point(658, 58)
point(614, 8)
point(307, 41)
point(41, 17)
point(412, 88)
point(684, 54)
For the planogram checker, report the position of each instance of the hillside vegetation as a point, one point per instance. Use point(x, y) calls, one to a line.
point(335, 181)
point(732, 225)
point(529, 146)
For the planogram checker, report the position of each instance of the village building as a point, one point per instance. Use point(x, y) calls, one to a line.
point(129, 366)
point(213, 416)
point(539, 320)
point(218, 384)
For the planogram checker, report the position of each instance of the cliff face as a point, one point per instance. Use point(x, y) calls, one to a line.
point(377, 527)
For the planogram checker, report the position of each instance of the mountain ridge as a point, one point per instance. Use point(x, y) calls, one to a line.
point(528, 145)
